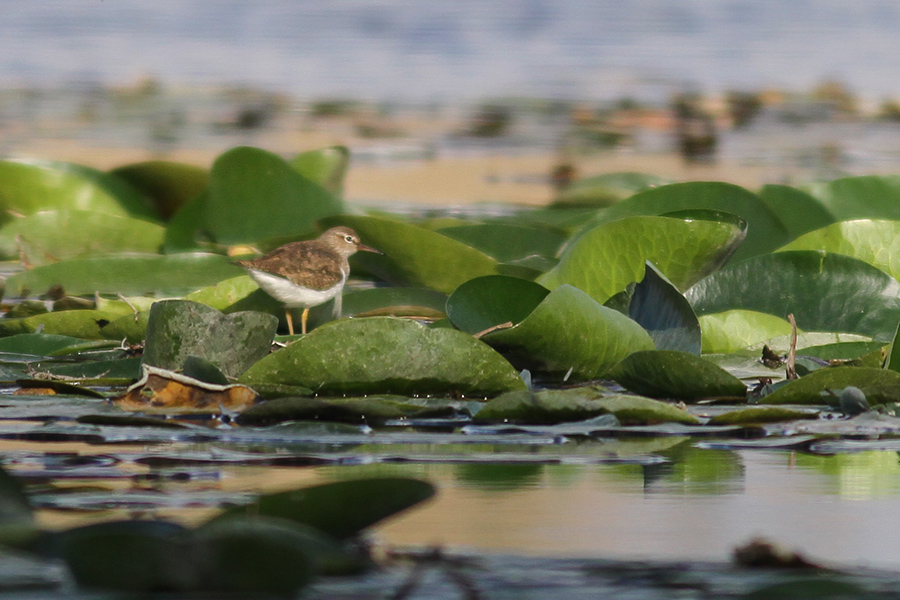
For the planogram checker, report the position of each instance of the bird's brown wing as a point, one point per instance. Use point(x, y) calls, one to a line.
point(310, 266)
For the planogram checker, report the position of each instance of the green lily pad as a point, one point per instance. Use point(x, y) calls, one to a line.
point(673, 374)
point(492, 300)
point(607, 258)
point(84, 324)
point(414, 256)
point(255, 195)
point(52, 236)
point(508, 242)
point(336, 508)
point(325, 167)
point(637, 410)
point(841, 350)
point(30, 186)
point(170, 185)
point(607, 189)
point(664, 313)
point(799, 212)
point(733, 330)
point(394, 301)
point(876, 242)
point(178, 329)
point(387, 355)
point(825, 292)
point(759, 415)
point(124, 370)
point(126, 274)
point(570, 335)
point(545, 407)
point(880, 386)
point(865, 197)
point(764, 231)
point(38, 344)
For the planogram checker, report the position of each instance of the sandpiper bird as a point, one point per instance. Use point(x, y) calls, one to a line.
point(306, 274)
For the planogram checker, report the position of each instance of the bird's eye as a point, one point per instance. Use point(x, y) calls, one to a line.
point(349, 238)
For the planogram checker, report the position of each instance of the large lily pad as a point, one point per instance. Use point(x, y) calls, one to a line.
point(637, 410)
point(170, 185)
point(880, 386)
point(673, 374)
point(178, 329)
point(665, 313)
point(825, 292)
point(607, 258)
point(876, 242)
point(136, 274)
point(545, 407)
point(508, 242)
point(493, 300)
point(52, 236)
point(798, 211)
point(734, 330)
point(765, 231)
point(866, 197)
point(30, 186)
point(387, 355)
point(325, 167)
point(569, 334)
point(414, 256)
point(343, 508)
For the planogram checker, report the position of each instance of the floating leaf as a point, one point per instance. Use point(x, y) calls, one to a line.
point(637, 410)
point(761, 414)
point(798, 212)
point(570, 334)
point(393, 301)
point(326, 167)
point(53, 236)
point(343, 508)
point(180, 328)
point(30, 186)
point(733, 330)
point(866, 197)
point(492, 300)
point(545, 407)
point(170, 185)
point(508, 242)
point(825, 292)
point(84, 324)
point(164, 392)
point(879, 385)
point(764, 231)
point(387, 355)
point(371, 410)
point(672, 374)
point(414, 256)
point(127, 274)
point(607, 258)
point(255, 195)
point(876, 242)
point(664, 313)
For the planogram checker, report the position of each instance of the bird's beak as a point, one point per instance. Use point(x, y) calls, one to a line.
point(365, 248)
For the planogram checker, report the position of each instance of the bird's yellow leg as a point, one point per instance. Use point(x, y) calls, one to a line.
point(290, 321)
point(303, 321)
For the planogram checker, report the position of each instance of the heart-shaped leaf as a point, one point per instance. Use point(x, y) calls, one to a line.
point(734, 330)
point(125, 274)
point(879, 385)
point(876, 242)
point(30, 186)
point(817, 287)
point(658, 307)
point(52, 236)
point(178, 329)
point(604, 260)
point(672, 374)
point(570, 335)
point(414, 256)
point(485, 302)
point(387, 355)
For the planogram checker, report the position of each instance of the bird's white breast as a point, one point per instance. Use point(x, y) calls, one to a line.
point(291, 294)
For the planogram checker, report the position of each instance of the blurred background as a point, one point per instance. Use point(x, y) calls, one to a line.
point(465, 101)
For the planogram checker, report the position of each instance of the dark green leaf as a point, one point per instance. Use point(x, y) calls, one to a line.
point(672, 374)
point(879, 385)
point(485, 302)
point(170, 185)
point(664, 313)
